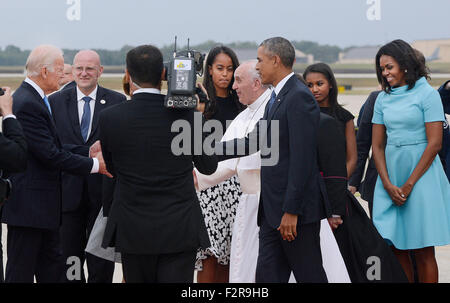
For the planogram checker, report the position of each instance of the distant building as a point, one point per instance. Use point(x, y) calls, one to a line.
point(251, 54)
point(361, 55)
point(437, 50)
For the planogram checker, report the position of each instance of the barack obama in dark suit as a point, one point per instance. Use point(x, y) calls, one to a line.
point(291, 202)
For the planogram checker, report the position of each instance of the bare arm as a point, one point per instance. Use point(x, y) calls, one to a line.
point(352, 154)
point(378, 154)
point(221, 174)
point(434, 136)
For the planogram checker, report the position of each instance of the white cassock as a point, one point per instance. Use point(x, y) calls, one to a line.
point(245, 240)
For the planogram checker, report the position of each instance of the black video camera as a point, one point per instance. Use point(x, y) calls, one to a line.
point(181, 76)
point(2, 92)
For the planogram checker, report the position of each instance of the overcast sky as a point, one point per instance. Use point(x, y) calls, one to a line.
point(110, 24)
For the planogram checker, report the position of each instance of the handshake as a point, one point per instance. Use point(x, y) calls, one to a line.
point(95, 151)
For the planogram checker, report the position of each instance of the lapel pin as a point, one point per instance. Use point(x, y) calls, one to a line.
point(103, 102)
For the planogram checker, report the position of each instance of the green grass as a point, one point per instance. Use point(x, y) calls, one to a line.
point(11, 69)
point(12, 82)
point(19, 69)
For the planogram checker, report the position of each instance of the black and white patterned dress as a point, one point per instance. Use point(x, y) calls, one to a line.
point(219, 204)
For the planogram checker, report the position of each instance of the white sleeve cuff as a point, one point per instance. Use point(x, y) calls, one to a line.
point(95, 167)
point(9, 116)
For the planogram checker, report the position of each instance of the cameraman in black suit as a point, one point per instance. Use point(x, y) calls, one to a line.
point(13, 152)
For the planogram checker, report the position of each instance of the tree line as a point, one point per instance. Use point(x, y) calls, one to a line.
point(14, 56)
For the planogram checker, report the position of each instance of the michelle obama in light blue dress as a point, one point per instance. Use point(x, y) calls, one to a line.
point(424, 220)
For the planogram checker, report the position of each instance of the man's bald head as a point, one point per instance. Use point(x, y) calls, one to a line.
point(86, 70)
point(87, 54)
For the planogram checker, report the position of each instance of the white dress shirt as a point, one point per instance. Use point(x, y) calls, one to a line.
point(80, 105)
point(147, 90)
point(36, 87)
point(81, 102)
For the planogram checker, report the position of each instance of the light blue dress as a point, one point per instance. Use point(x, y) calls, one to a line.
point(424, 220)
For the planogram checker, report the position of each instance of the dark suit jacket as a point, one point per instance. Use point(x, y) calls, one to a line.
point(13, 154)
point(445, 152)
point(364, 143)
point(445, 96)
point(155, 208)
point(292, 185)
point(65, 113)
point(70, 85)
point(36, 194)
point(13, 147)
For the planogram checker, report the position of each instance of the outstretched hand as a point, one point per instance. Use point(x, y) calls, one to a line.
point(95, 148)
point(95, 151)
point(102, 165)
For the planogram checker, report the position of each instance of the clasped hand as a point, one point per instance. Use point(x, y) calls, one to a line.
point(399, 195)
point(95, 151)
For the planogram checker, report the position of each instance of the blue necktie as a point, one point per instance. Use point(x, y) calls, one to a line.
point(47, 104)
point(86, 118)
point(271, 101)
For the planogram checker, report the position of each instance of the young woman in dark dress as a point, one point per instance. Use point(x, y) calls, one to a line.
point(322, 83)
point(219, 202)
